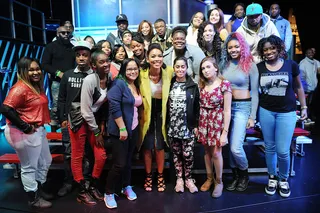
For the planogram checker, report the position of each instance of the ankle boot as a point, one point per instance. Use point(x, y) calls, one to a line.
point(36, 201)
point(84, 196)
point(43, 193)
point(243, 180)
point(232, 186)
point(93, 190)
point(207, 184)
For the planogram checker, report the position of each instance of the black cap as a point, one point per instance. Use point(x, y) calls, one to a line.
point(121, 17)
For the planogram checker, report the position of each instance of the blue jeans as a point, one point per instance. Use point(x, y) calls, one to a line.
point(277, 129)
point(240, 111)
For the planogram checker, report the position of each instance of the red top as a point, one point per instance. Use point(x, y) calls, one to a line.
point(31, 107)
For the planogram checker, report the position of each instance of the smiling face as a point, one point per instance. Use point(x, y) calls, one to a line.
point(34, 72)
point(132, 71)
point(121, 54)
point(180, 69)
point(137, 48)
point(145, 29)
point(106, 48)
point(155, 58)
point(270, 52)
point(233, 48)
point(102, 64)
point(197, 19)
point(208, 33)
point(214, 16)
point(179, 40)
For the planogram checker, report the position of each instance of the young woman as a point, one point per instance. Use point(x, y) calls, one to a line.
point(209, 40)
point(238, 68)
point(216, 17)
point(90, 39)
point(192, 35)
point(139, 51)
point(105, 46)
point(124, 99)
point(118, 55)
point(154, 88)
point(215, 113)
point(279, 81)
point(26, 110)
point(237, 18)
point(145, 28)
point(183, 118)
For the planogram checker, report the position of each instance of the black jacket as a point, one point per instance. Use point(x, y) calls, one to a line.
point(58, 56)
point(193, 105)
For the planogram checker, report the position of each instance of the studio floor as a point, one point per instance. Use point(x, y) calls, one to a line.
point(305, 195)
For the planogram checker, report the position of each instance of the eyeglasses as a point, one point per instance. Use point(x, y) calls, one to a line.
point(64, 32)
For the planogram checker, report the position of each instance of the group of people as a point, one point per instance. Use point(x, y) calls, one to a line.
point(168, 94)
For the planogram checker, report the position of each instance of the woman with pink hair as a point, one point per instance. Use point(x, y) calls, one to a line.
point(237, 66)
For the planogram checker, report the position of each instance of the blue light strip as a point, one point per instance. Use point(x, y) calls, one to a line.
point(2, 62)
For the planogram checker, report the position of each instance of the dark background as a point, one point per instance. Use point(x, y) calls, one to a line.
point(306, 12)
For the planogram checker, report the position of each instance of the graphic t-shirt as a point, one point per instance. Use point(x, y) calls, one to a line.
point(276, 87)
point(178, 112)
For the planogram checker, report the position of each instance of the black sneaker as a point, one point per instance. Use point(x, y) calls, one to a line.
point(271, 188)
point(284, 188)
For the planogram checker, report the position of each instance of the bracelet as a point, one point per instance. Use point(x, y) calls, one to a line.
point(123, 129)
point(97, 134)
point(225, 130)
point(304, 107)
point(58, 73)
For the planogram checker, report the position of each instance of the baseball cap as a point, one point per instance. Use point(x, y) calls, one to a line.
point(121, 17)
point(254, 9)
point(81, 45)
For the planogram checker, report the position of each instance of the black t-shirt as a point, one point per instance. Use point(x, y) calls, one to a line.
point(276, 87)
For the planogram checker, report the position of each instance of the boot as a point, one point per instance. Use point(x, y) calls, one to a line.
point(42, 192)
point(84, 195)
point(207, 184)
point(218, 188)
point(232, 186)
point(36, 201)
point(94, 192)
point(243, 180)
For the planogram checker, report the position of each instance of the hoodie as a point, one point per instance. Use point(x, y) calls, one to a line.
point(284, 29)
point(266, 29)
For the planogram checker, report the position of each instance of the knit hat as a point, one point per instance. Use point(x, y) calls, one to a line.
point(254, 9)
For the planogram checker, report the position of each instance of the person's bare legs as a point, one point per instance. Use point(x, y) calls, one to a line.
point(208, 163)
point(147, 157)
point(160, 167)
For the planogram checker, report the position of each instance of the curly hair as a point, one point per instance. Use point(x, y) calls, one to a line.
point(245, 60)
point(275, 41)
point(216, 43)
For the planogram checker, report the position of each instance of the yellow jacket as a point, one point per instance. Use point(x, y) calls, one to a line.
point(145, 91)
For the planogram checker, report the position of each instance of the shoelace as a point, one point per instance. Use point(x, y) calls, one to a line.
point(272, 183)
point(284, 185)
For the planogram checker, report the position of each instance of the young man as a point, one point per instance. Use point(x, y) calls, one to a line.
point(70, 115)
point(163, 34)
point(115, 37)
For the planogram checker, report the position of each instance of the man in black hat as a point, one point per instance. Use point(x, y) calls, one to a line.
point(115, 37)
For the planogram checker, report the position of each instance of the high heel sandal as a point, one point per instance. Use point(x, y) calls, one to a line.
point(161, 183)
point(148, 182)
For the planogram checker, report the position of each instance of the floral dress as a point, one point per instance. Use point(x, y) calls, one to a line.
point(211, 114)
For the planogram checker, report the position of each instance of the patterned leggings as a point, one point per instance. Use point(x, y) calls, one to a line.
point(182, 150)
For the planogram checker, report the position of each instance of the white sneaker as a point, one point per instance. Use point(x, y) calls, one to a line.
point(284, 188)
point(179, 185)
point(190, 185)
point(271, 188)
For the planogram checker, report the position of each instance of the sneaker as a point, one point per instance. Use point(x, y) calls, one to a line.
point(271, 188)
point(218, 188)
point(110, 201)
point(284, 188)
point(127, 191)
point(190, 185)
point(179, 185)
point(65, 189)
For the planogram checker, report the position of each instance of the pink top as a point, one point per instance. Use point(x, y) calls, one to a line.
point(137, 103)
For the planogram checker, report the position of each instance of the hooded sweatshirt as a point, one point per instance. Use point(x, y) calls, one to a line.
point(266, 29)
point(284, 29)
